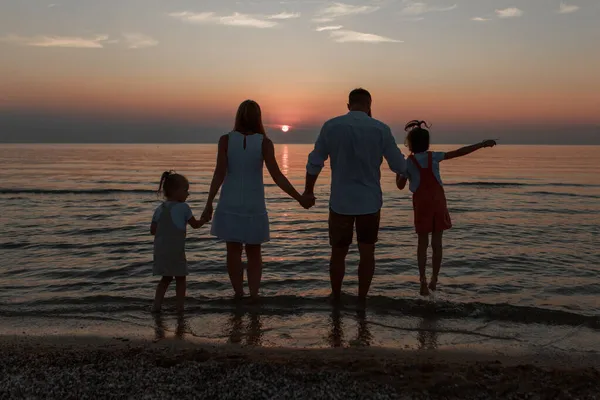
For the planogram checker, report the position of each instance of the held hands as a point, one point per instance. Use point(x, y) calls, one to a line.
point(401, 181)
point(307, 200)
point(488, 143)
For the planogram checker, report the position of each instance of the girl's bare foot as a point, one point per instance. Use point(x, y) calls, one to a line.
point(424, 289)
point(433, 284)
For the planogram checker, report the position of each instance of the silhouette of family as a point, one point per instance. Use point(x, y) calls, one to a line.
point(356, 144)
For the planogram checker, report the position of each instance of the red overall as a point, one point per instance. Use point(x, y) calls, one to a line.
point(429, 201)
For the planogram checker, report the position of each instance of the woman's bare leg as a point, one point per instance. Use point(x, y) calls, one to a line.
point(161, 289)
point(436, 245)
point(422, 260)
point(180, 288)
point(253, 253)
point(234, 267)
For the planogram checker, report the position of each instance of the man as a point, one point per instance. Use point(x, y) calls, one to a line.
point(356, 144)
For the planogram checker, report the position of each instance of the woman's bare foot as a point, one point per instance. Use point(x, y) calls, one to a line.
point(433, 284)
point(239, 296)
point(424, 289)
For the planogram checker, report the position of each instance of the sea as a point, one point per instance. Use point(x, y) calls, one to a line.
point(521, 265)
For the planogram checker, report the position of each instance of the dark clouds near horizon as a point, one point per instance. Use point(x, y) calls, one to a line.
point(37, 127)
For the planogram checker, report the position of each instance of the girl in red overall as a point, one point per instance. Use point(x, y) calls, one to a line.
point(429, 200)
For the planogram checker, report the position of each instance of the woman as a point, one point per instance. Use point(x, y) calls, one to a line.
point(241, 218)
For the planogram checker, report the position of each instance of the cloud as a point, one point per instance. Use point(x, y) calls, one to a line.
point(139, 41)
point(96, 42)
point(567, 8)
point(329, 28)
point(235, 19)
point(418, 8)
point(337, 10)
point(480, 19)
point(510, 12)
point(344, 36)
point(321, 20)
point(284, 15)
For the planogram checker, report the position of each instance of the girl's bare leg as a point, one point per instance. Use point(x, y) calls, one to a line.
point(180, 287)
point(161, 289)
point(253, 253)
point(436, 245)
point(422, 260)
point(234, 267)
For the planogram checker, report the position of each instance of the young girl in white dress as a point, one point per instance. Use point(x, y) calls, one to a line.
point(168, 226)
point(241, 218)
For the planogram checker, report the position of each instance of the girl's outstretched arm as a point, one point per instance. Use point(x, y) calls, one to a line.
point(218, 177)
point(278, 176)
point(463, 151)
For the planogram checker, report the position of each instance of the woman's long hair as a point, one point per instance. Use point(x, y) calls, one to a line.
point(249, 118)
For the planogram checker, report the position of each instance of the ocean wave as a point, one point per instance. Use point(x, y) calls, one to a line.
point(75, 191)
point(105, 191)
point(290, 304)
point(521, 184)
point(562, 194)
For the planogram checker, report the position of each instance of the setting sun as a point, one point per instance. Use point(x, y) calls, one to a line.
point(285, 128)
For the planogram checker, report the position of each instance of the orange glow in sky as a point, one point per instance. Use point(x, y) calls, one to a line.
point(460, 63)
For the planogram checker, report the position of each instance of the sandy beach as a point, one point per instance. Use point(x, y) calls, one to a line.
point(79, 367)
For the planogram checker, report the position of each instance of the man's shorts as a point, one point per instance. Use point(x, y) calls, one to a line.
point(341, 228)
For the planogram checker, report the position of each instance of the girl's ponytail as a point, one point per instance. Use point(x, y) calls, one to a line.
point(163, 180)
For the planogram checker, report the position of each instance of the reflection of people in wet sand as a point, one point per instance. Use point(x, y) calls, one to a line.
point(364, 336)
point(427, 334)
point(160, 327)
point(335, 337)
point(336, 333)
point(253, 331)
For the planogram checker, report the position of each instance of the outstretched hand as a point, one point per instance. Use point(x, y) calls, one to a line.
point(307, 200)
point(207, 213)
point(488, 143)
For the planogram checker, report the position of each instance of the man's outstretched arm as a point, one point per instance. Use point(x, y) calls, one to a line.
point(316, 162)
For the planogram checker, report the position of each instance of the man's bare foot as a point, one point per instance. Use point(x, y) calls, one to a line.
point(254, 298)
point(335, 298)
point(433, 284)
point(424, 289)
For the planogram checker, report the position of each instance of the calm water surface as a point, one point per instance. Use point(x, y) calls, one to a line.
point(524, 247)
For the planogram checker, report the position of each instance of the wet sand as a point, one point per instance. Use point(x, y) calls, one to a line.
point(78, 367)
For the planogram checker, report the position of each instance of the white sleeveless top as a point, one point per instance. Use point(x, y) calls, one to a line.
point(241, 214)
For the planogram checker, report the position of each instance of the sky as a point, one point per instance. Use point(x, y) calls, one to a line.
point(523, 71)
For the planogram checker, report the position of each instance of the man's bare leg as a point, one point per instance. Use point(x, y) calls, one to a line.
point(366, 269)
point(337, 270)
